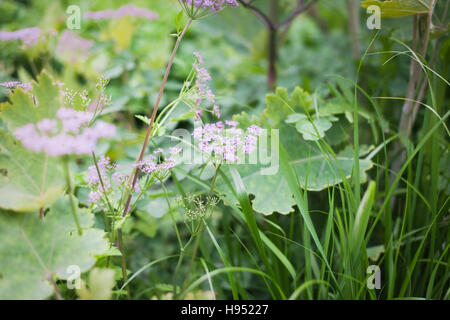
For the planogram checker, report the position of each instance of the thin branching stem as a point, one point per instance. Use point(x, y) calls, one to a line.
point(155, 109)
point(172, 216)
point(110, 207)
point(123, 262)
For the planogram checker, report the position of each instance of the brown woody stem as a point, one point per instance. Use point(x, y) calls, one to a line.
point(155, 109)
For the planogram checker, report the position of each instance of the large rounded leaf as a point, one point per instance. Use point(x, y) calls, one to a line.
point(32, 250)
point(28, 180)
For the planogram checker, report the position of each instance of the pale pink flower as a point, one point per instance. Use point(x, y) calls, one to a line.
point(28, 36)
point(125, 10)
point(74, 136)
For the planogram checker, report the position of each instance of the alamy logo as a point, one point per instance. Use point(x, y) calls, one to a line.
point(374, 20)
point(73, 21)
point(73, 280)
point(374, 280)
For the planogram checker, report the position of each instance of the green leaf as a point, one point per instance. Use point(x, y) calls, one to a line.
point(363, 150)
point(146, 224)
point(400, 8)
point(33, 250)
point(284, 260)
point(43, 102)
point(290, 175)
point(178, 21)
point(362, 217)
point(295, 117)
point(242, 197)
point(280, 105)
point(144, 119)
point(245, 120)
point(316, 171)
point(30, 181)
point(321, 169)
point(112, 252)
point(338, 134)
point(183, 117)
point(314, 130)
point(375, 252)
point(271, 193)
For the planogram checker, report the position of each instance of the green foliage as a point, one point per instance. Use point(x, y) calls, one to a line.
point(317, 166)
point(43, 102)
point(30, 180)
point(311, 130)
point(271, 193)
point(327, 122)
point(281, 105)
point(362, 217)
point(316, 170)
point(400, 8)
point(40, 249)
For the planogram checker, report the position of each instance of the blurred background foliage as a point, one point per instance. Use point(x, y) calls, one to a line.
point(133, 53)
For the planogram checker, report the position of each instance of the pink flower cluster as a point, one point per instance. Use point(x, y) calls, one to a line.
point(73, 47)
point(26, 86)
point(201, 90)
point(110, 176)
point(69, 134)
point(226, 143)
point(125, 10)
point(214, 5)
point(154, 164)
point(29, 36)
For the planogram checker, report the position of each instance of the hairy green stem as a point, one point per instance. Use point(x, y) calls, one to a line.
point(177, 268)
point(172, 216)
point(70, 192)
point(123, 262)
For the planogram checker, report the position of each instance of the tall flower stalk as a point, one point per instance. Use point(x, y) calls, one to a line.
point(194, 10)
point(134, 176)
point(152, 119)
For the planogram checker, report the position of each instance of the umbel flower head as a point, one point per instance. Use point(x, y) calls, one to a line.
point(68, 134)
point(226, 142)
point(111, 179)
point(196, 9)
point(197, 93)
point(196, 207)
point(28, 36)
point(125, 10)
point(156, 165)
